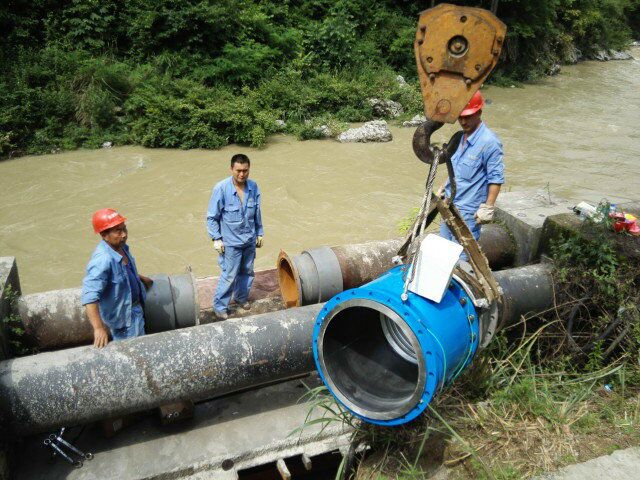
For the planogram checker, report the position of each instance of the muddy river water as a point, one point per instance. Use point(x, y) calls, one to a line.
point(576, 134)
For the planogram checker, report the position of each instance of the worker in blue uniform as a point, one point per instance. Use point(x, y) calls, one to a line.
point(113, 292)
point(234, 223)
point(479, 170)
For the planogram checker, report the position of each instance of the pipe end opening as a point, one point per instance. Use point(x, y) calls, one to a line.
point(376, 374)
point(289, 281)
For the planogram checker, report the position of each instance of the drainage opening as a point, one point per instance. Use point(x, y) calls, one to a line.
point(318, 467)
point(368, 357)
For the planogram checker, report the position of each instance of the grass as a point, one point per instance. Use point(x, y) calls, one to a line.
point(531, 419)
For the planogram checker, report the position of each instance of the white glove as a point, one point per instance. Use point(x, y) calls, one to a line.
point(484, 213)
point(219, 246)
point(259, 242)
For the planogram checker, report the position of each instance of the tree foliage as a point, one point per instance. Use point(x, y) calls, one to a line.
point(203, 73)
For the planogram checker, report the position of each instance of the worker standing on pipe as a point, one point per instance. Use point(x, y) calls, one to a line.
point(479, 170)
point(234, 223)
point(113, 292)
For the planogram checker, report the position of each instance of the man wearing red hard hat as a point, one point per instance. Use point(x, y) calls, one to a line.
point(113, 292)
point(479, 170)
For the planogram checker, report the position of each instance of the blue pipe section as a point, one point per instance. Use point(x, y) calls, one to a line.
point(445, 336)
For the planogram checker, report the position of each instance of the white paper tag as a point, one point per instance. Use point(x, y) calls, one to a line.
point(434, 266)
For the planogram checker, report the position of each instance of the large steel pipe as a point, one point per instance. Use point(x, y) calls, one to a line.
point(385, 359)
point(57, 319)
point(526, 290)
point(75, 386)
point(318, 274)
point(498, 246)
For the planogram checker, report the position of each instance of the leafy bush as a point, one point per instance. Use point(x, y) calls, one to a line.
point(184, 114)
point(199, 73)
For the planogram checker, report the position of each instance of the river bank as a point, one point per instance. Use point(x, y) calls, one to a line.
point(399, 102)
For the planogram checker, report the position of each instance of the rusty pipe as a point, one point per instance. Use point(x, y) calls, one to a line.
point(42, 392)
point(316, 275)
point(57, 319)
point(498, 246)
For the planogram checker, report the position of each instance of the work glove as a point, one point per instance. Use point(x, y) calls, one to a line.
point(484, 213)
point(259, 242)
point(219, 246)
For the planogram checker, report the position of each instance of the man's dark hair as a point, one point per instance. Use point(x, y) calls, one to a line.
point(240, 158)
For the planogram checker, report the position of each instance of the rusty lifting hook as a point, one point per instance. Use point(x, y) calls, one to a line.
point(429, 153)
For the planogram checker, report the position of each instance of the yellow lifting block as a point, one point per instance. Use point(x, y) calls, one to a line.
point(456, 48)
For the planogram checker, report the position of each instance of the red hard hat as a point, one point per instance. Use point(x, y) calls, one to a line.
point(106, 218)
point(475, 104)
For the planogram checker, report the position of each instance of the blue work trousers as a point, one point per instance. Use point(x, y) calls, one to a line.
point(134, 329)
point(470, 220)
point(236, 277)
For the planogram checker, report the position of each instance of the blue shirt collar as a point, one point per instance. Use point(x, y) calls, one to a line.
point(474, 136)
point(247, 185)
point(110, 251)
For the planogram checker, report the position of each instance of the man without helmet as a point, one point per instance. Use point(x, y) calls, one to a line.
point(234, 223)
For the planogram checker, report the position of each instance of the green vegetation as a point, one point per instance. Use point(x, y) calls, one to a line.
point(13, 328)
point(557, 388)
point(203, 73)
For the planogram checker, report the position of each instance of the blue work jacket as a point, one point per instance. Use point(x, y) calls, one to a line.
point(236, 223)
point(478, 161)
point(107, 283)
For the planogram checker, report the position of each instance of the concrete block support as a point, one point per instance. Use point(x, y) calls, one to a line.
point(228, 438)
point(9, 282)
point(524, 213)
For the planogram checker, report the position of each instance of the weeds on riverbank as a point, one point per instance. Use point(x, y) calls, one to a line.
point(556, 388)
point(13, 328)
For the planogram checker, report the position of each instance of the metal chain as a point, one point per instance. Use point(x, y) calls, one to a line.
point(418, 230)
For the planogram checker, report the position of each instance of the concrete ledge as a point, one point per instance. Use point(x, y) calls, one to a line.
point(524, 214)
point(9, 281)
point(226, 435)
point(620, 465)
point(8, 278)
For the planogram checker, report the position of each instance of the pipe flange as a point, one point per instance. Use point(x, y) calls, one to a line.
point(426, 379)
point(489, 314)
point(326, 271)
point(361, 365)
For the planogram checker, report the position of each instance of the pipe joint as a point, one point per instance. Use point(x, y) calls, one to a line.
point(312, 277)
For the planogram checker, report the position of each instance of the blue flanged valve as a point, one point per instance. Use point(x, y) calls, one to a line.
point(385, 359)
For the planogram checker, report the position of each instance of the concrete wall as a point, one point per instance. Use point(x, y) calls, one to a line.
point(8, 278)
point(524, 214)
point(9, 281)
